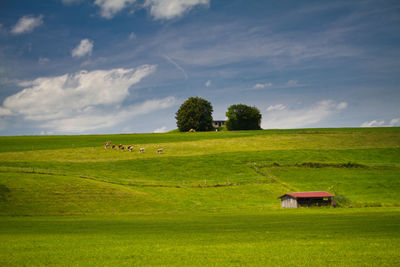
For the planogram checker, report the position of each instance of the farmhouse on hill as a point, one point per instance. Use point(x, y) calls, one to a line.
point(218, 124)
point(307, 199)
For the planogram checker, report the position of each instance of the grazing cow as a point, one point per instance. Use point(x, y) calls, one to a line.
point(113, 147)
point(160, 150)
point(120, 145)
point(122, 148)
point(130, 148)
point(141, 149)
point(107, 145)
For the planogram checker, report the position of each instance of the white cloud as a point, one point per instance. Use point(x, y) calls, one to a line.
point(208, 83)
point(83, 101)
point(279, 116)
point(55, 97)
point(85, 47)
point(159, 9)
point(374, 123)
point(109, 8)
point(27, 24)
point(262, 85)
point(169, 9)
point(276, 107)
point(4, 112)
point(162, 129)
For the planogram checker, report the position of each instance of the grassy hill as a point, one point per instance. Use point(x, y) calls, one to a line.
point(209, 172)
point(209, 199)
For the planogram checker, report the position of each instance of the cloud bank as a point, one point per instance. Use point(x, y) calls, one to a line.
point(281, 117)
point(159, 9)
point(82, 101)
point(374, 123)
point(27, 24)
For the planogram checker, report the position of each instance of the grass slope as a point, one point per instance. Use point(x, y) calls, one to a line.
point(212, 172)
point(37, 194)
point(210, 199)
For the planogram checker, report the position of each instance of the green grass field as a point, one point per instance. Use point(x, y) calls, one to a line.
point(209, 199)
point(277, 238)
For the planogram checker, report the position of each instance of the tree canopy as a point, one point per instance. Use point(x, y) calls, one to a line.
point(243, 117)
point(195, 113)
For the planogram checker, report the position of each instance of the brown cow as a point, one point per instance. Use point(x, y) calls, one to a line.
point(130, 148)
point(107, 145)
point(160, 150)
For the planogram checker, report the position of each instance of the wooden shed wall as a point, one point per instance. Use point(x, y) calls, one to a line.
point(289, 202)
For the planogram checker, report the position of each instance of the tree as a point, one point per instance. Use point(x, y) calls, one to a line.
point(242, 117)
point(195, 113)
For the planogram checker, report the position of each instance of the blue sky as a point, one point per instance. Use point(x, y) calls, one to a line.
point(123, 66)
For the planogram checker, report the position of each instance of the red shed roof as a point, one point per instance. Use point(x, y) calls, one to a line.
point(308, 194)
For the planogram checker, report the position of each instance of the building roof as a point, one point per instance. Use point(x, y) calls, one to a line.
point(308, 194)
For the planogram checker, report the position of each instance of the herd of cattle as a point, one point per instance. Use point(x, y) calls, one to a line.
point(129, 148)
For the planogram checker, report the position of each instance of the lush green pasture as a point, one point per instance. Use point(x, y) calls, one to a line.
point(26, 143)
point(263, 141)
point(219, 182)
point(213, 172)
point(209, 199)
point(316, 237)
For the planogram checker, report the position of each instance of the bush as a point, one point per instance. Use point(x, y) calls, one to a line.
point(243, 117)
point(341, 200)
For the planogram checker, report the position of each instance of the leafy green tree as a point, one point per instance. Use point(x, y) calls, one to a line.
point(195, 113)
point(243, 117)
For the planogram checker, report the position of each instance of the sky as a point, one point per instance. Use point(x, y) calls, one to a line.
point(125, 66)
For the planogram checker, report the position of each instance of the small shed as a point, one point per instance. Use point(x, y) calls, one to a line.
point(307, 199)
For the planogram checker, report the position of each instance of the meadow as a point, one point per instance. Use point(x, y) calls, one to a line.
point(277, 238)
point(209, 199)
